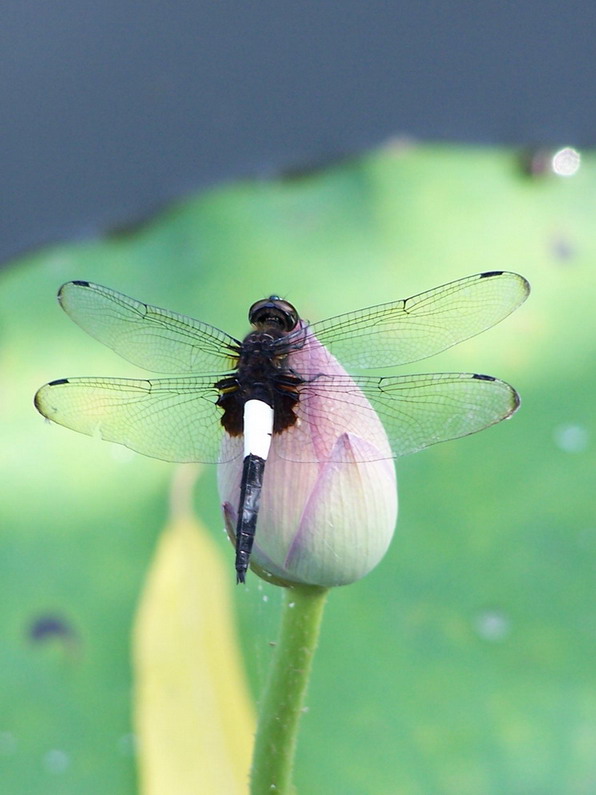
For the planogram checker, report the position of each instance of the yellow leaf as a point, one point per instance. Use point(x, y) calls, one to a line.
point(194, 718)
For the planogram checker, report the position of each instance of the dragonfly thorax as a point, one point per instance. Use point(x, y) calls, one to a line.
point(260, 352)
point(261, 374)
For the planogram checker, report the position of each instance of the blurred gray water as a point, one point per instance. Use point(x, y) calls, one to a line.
point(111, 109)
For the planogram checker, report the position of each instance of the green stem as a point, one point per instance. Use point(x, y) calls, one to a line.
point(283, 699)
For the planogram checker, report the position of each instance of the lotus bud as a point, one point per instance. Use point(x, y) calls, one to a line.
point(329, 500)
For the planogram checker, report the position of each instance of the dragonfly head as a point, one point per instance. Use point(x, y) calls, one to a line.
point(273, 311)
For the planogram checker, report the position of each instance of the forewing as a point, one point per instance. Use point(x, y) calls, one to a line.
point(416, 410)
point(418, 327)
point(174, 419)
point(147, 336)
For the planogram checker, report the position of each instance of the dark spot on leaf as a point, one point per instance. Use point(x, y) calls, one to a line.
point(48, 627)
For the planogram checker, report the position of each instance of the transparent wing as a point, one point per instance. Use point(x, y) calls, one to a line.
point(173, 419)
point(420, 410)
point(416, 410)
point(147, 336)
point(418, 327)
point(177, 419)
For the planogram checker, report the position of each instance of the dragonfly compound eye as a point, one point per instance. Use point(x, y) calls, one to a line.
point(273, 311)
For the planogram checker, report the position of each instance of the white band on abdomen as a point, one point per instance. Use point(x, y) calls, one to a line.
point(258, 427)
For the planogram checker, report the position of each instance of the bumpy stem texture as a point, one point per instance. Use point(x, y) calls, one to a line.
point(283, 699)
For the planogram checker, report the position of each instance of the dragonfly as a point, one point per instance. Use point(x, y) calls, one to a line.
point(269, 384)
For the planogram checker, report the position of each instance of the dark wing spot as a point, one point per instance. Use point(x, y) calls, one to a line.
point(80, 283)
point(488, 274)
point(480, 377)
